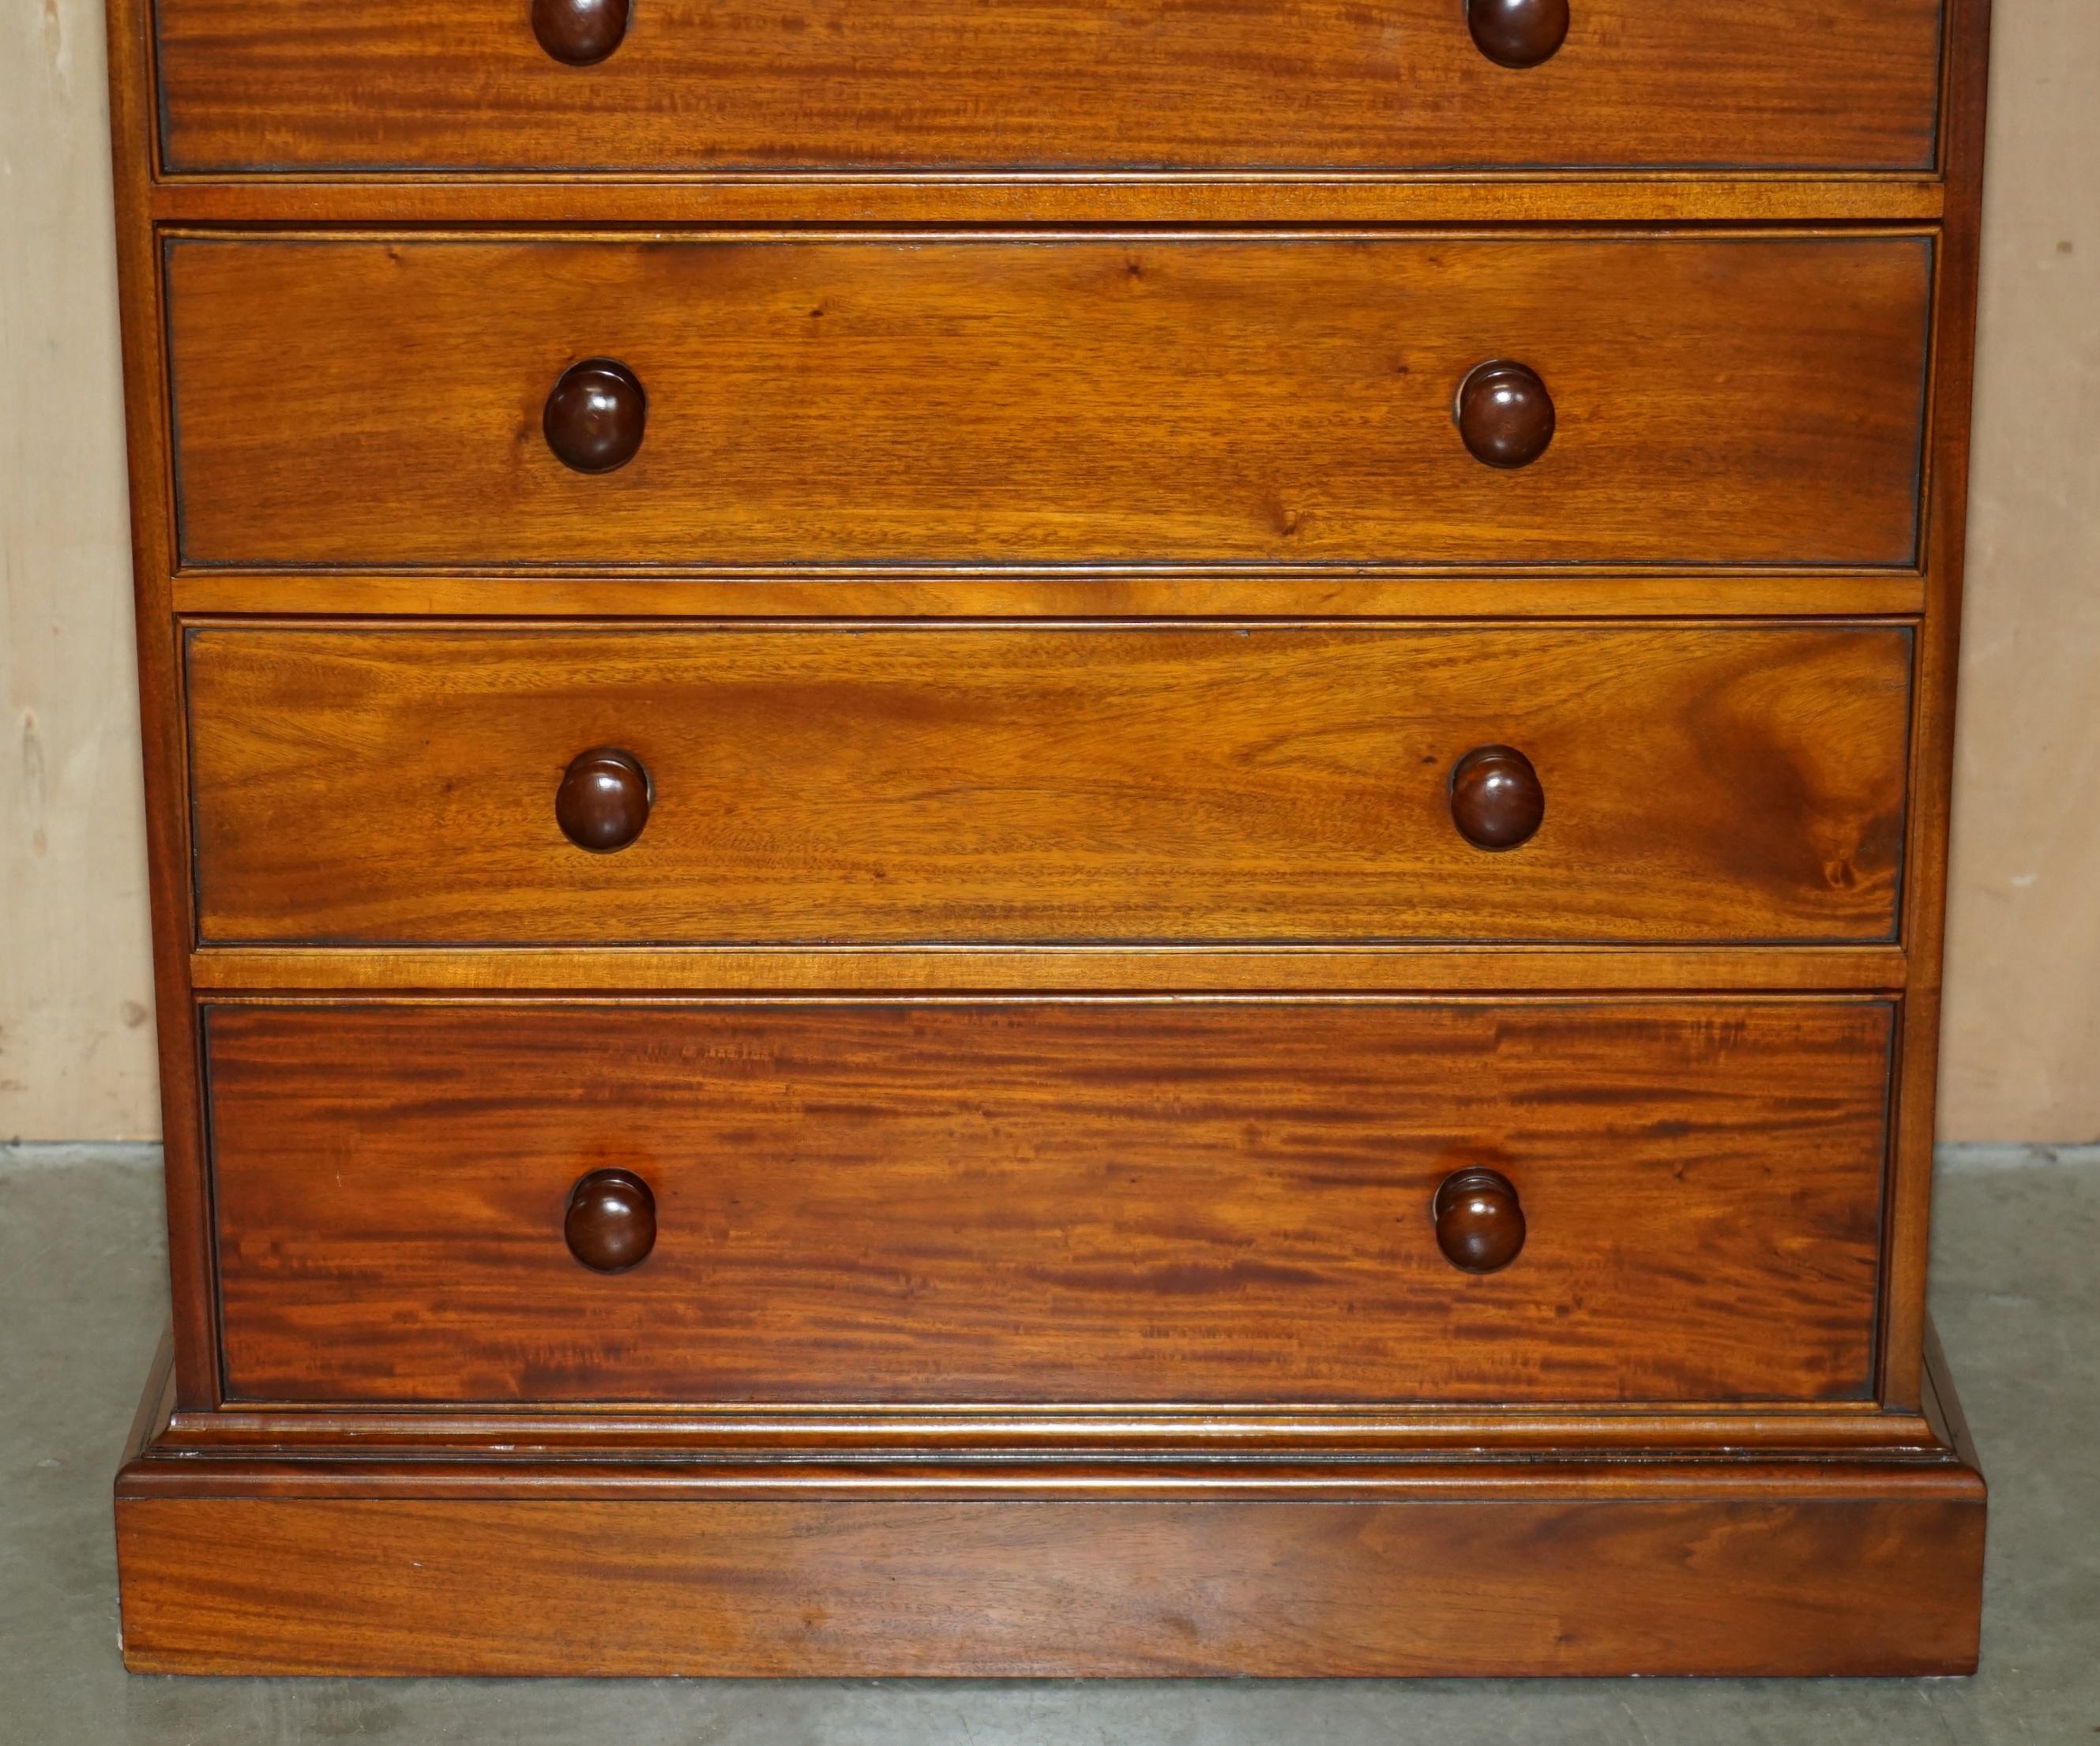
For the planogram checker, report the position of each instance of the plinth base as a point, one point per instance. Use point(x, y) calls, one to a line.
point(478, 1563)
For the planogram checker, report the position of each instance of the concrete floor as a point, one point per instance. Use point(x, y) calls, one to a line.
point(82, 1296)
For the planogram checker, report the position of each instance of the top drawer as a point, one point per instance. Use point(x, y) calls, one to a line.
point(1017, 85)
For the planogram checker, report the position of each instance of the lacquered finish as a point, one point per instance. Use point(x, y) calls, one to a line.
point(1063, 1201)
point(1480, 1224)
point(1504, 414)
point(1105, 402)
point(603, 801)
point(579, 32)
point(990, 350)
point(1742, 1568)
point(1496, 800)
point(1518, 32)
point(610, 1223)
point(595, 416)
point(1138, 784)
point(1015, 86)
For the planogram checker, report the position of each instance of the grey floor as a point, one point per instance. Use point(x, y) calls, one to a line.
point(2016, 1292)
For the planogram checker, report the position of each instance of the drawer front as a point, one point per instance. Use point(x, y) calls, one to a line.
point(1087, 1200)
point(1075, 784)
point(1146, 399)
point(291, 84)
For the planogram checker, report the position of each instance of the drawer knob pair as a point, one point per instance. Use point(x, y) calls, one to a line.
point(611, 1225)
point(579, 32)
point(1517, 32)
point(603, 802)
point(597, 413)
point(1510, 33)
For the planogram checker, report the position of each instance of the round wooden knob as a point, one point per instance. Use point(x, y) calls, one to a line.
point(1496, 799)
point(595, 416)
point(1517, 32)
point(603, 801)
point(1504, 414)
point(580, 32)
point(611, 1221)
point(1479, 1226)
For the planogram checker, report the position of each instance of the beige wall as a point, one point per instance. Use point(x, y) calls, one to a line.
point(2023, 1059)
point(2021, 1035)
point(76, 1035)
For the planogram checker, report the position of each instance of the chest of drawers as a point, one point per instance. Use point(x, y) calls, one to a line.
point(1049, 838)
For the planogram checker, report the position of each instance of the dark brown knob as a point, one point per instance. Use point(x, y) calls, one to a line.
point(1496, 799)
point(595, 416)
point(1479, 1226)
point(1504, 414)
point(580, 32)
point(603, 801)
point(611, 1221)
point(1517, 32)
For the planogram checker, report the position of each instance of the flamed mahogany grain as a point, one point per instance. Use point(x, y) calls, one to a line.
point(895, 399)
point(884, 785)
point(1091, 1201)
point(1017, 85)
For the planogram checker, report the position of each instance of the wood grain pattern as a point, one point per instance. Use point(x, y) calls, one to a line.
point(389, 1563)
point(1083, 784)
point(1140, 1201)
point(990, 426)
point(920, 399)
point(1024, 85)
point(1672, 1584)
point(149, 446)
point(1089, 197)
point(1294, 594)
point(936, 969)
point(1932, 739)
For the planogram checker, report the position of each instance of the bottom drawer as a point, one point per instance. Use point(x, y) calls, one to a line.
point(1051, 1200)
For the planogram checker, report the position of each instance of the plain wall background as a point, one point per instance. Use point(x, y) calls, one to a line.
point(2023, 1029)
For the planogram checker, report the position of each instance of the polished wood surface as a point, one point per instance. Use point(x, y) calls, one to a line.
point(1329, 592)
point(1032, 431)
point(1712, 785)
point(280, 85)
point(1029, 1201)
point(1054, 199)
point(935, 968)
point(1746, 1569)
point(1081, 400)
point(1853, 1562)
point(1140, 1590)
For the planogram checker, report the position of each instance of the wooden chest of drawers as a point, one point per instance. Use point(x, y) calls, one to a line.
point(1049, 838)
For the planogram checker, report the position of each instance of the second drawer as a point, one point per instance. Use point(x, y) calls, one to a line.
point(914, 400)
point(1188, 784)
